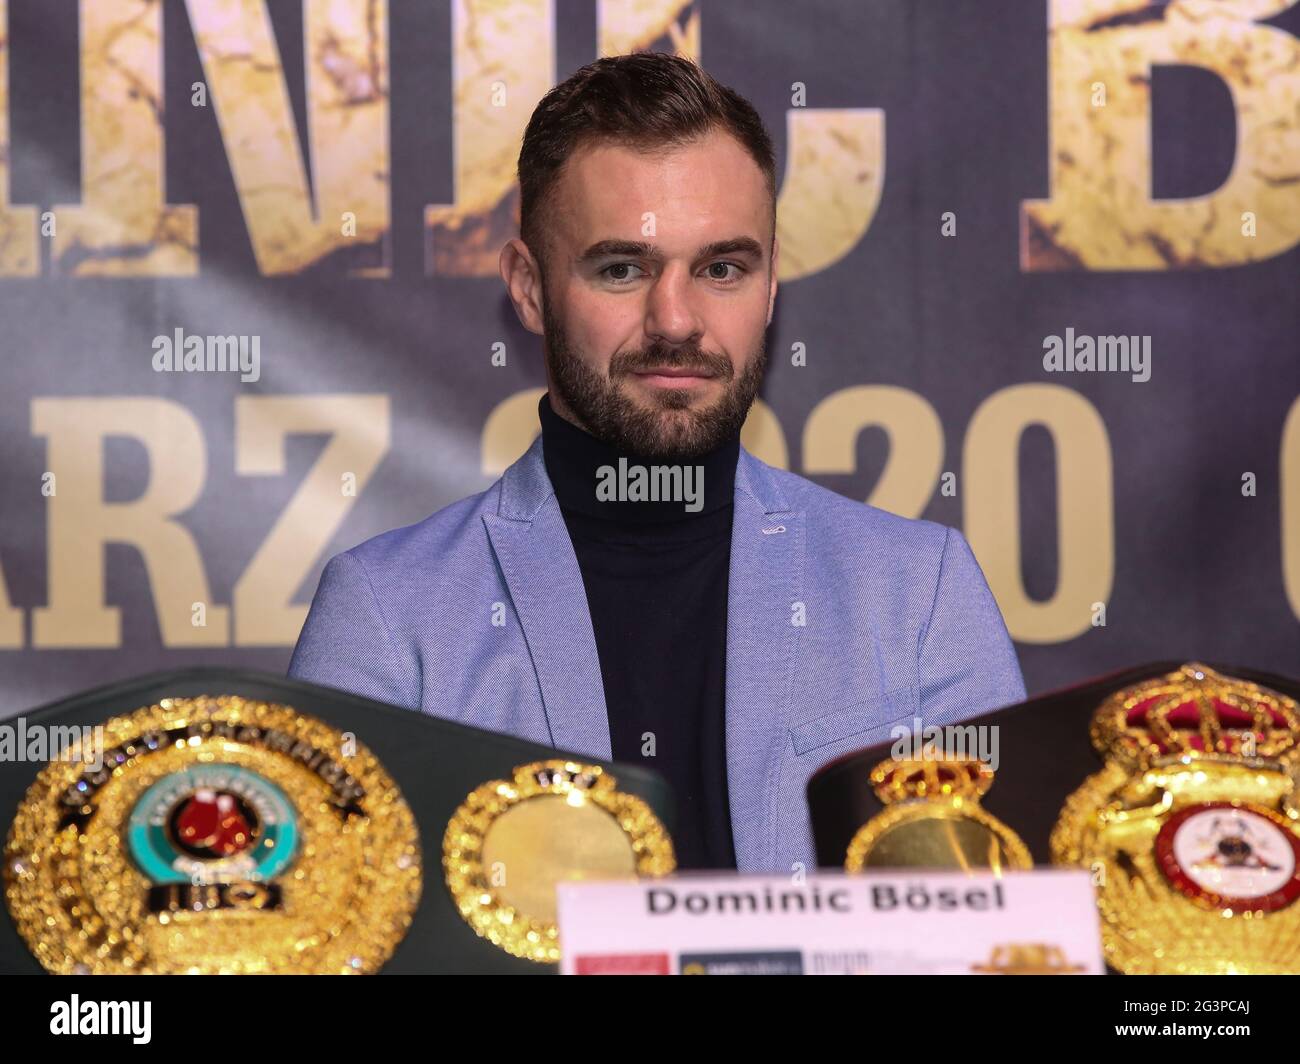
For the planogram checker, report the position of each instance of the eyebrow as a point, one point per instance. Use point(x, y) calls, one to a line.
point(639, 249)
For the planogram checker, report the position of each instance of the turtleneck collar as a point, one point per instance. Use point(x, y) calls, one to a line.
point(593, 478)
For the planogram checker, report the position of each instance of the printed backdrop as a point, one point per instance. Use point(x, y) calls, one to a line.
point(981, 203)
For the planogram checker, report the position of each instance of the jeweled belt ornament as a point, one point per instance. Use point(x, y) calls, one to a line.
point(511, 841)
point(933, 819)
point(220, 835)
point(1191, 827)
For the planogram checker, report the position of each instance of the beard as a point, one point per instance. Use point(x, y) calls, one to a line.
point(666, 427)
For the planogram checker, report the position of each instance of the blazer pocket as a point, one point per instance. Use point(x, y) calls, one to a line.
point(869, 721)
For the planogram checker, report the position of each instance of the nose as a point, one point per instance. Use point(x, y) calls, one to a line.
point(671, 315)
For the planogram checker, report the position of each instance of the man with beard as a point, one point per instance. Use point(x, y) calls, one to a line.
point(735, 642)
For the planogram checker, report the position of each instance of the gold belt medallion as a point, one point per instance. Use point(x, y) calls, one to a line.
point(511, 841)
point(214, 835)
point(1191, 828)
point(933, 819)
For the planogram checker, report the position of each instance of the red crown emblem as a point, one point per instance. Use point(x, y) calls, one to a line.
point(1196, 712)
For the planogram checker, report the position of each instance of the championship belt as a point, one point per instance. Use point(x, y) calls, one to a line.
point(933, 819)
point(213, 835)
point(510, 842)
point(1191, 827)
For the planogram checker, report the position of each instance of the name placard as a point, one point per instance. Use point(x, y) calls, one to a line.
point(830, 923)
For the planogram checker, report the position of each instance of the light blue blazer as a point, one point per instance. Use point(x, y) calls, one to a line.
point(842, 621)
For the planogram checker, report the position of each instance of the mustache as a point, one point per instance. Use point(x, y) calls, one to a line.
point(689, 356)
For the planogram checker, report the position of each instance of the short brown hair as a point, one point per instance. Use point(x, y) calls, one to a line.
point(646, 100)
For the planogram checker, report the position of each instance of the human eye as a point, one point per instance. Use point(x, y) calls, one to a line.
point(613, 277)
point(725, 279)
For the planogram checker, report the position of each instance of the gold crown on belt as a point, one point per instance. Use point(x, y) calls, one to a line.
point(1194, 712)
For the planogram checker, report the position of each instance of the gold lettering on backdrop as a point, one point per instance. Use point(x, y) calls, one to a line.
point(835, 167)
point(509, 431)
point(624, 26)
point(830, 442)
point(1101, 215)
point(503, 63)
point(1289, 473)
point(990, 478)
point(1085, 524)
point(834, 174)
point(19, 249)
point(358, 426)
point(80, 523)
point(346, 45)
point(123, 226)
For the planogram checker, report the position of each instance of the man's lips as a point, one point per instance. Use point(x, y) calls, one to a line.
point(673, 375)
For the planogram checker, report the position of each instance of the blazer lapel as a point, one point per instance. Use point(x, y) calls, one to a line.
point(765, 581)
point(536, 556)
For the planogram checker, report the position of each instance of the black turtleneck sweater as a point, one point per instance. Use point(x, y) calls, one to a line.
point(656, 582)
